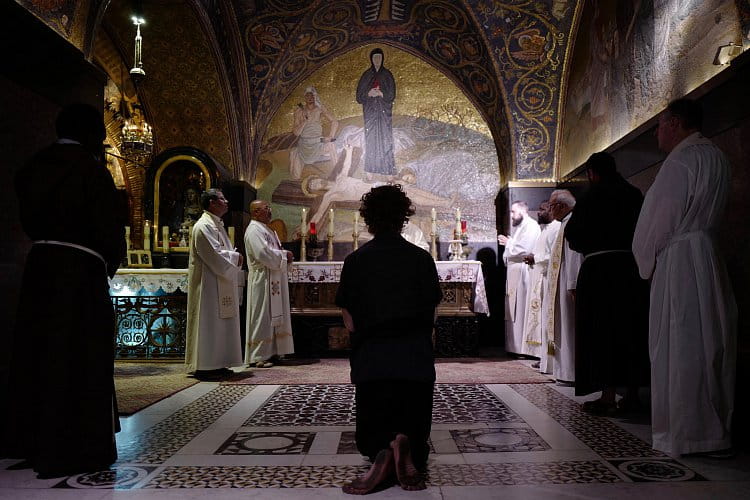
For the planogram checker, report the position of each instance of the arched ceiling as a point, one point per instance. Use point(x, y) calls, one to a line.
point(217, 70)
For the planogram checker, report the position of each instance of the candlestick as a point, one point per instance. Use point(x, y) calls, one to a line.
point(165, 238)
point(147, 235)
point(330, 221)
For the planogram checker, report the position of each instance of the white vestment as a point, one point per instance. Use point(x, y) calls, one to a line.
point(414, 235)
point(538, 284)
point(519, 244)
point(212, 336)
point(269, 321)
point(561, 315)
point(693, 316)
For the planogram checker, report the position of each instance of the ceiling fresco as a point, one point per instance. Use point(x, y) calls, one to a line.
point(509, 57)
point(287, 40)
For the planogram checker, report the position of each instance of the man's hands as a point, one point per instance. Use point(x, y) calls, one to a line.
point(289, 256)
point(375, 93)
point(502, 239)
point(241, 261)
point(529, 259)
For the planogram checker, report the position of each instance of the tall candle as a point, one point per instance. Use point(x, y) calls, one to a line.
point(304, 221)
point(147, 235)
point(433, 218)
point(127, 238)
point(356, 221)
point(458, 220)
point(330, 221)
point(165, 238)
point(230, 233)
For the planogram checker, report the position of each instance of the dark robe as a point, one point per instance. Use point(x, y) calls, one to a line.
point(391, 289)
point(378, 115)
point(611, 298)
point(61, 388)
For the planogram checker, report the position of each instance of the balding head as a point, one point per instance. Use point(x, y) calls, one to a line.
point(561, 203)
point(260, 211)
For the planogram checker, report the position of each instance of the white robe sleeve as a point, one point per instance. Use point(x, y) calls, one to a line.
point(220, 261)
point(521, 243)
point(259, 250)
point(573, 261)
point(663, 209)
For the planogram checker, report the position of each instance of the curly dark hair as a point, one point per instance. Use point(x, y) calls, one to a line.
point(386, 209)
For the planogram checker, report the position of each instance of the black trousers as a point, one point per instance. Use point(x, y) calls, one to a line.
point(387, 408)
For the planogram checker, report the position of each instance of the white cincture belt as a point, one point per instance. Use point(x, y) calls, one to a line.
point(77, 247)
point(601, 252)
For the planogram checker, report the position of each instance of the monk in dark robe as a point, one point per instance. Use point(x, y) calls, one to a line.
point(62, 412)
point(611, 298)
point(388, 293)
point(376, 92)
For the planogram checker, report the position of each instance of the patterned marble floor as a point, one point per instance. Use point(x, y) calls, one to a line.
point(293, 441)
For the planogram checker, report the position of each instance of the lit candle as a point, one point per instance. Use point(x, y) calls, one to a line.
point(165, 238)
point(304, 221)
point(147, 235)
point(433, 218)
point(330, 221)
point(463, 226)
point(356, 221)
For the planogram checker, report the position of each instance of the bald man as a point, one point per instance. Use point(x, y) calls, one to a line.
point(269, 323)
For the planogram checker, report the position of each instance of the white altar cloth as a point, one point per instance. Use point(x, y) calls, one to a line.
point(464, 271)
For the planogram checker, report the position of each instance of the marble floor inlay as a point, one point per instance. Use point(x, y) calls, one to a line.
point(335, 476)
point(656, 470)
point(598, 433)
point(333, 404)
point(498, 440)
point(160, 442)
point(267, 443)
point(279, 442)
point(348, 446)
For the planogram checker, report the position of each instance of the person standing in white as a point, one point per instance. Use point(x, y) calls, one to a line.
point(693, 316)
point(213, 316)
point(269, 322)
point(525, 232)
point(562, 273)
point(538, 262)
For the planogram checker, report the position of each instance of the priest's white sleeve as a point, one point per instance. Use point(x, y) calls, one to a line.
point(663, 209)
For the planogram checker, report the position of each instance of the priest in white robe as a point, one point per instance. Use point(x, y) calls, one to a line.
point(563, 276)
point(538, 263)
point(269, 321)
point(525, 232)
point(212, 335)
point(693, 316)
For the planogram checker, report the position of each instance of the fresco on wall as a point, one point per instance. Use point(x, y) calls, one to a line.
point(631, 58)
point(328, 145)
point(58, 15)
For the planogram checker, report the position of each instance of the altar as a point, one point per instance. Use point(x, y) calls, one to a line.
point(150, 308)
point(312, 293)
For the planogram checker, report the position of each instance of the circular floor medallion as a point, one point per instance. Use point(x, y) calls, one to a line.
point(656, 470)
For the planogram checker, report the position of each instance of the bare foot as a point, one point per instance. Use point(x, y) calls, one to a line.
point(381, 469)
point(407, 473)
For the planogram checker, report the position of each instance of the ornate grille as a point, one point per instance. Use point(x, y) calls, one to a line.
point(150, 327)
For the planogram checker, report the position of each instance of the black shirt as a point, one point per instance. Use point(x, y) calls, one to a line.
point(391, 289)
